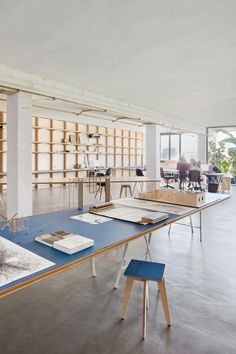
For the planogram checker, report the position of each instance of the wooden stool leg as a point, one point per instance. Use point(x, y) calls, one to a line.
point(144, 308)
point(130, 191)
point(164, 300)
point(128, 287)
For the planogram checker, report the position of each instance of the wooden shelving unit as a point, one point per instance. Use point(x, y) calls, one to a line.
point(53, 154)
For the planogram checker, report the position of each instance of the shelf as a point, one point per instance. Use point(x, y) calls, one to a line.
point(114, 146)
point(90, 145)
point(68, 152)
point(39, 172)
point(63, 130)
point(86, 169)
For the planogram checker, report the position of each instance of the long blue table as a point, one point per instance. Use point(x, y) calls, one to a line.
point(106, 236)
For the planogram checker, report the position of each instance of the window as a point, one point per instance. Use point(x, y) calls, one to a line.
point(165, 147)
point(222, 148)
point(174, 147)
point(189, 146)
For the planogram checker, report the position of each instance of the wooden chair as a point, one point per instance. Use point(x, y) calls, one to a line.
point(126, 188)
point(145, 271)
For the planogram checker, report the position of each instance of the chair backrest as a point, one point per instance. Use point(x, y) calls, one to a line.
point(194, 176)
point(108, 172)
point(162, 172)
point(139, 172)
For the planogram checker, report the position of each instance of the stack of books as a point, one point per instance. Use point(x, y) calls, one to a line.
point(155, 217)
point(65, 241)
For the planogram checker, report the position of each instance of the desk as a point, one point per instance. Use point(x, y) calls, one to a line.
point(171, 173)
point(107, 236)
point(218, 178)
point(108, 180)
point(88, 180)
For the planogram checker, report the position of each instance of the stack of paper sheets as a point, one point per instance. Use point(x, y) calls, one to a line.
point(65, 241)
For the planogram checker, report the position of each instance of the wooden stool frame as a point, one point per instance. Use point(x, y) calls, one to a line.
point(162, 288)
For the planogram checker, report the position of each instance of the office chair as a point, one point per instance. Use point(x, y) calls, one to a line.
point(101, 185)
point(139, 173)
point(194, 180)
point(166, 179)
point(182, 180)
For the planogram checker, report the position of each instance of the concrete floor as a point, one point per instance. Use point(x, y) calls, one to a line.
point(73, 313)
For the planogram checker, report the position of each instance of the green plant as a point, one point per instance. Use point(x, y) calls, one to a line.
point(231, 152)
point(217, 154)
point(232, 158)
point(231, 139)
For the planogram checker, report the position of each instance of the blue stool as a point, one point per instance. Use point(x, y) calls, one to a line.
point(145, 271)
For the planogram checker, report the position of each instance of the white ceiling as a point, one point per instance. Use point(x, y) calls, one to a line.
point(175, 57)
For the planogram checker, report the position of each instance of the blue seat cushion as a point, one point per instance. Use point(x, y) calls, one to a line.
point(145, 270)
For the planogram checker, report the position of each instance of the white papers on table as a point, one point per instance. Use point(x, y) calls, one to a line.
point(153, 206)
point(91, 218)
point(17, 262)
point(73, 244)
point(122, 212)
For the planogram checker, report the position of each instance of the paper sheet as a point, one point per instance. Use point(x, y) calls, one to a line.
point(153, 206)
point(16, 262)
point(91, 218)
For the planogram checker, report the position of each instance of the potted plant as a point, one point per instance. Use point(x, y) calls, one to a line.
point(230, 139)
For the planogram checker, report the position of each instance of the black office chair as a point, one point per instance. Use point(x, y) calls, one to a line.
point(101, 185)
point(166, 179)
point(183, 179)
point(139, 173)
point(194, 180)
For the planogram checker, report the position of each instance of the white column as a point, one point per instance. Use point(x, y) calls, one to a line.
point(152, 153)
point(19, 154)
point(201, 147)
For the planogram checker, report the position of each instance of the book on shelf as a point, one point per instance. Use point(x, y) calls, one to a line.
point(155, 217)
point(65, 241)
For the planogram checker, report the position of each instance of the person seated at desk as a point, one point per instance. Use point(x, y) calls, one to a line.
point(183, 168)
point(214, 168)
point(195, 165)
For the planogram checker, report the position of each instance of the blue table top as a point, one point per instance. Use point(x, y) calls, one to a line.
point(106, 236)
